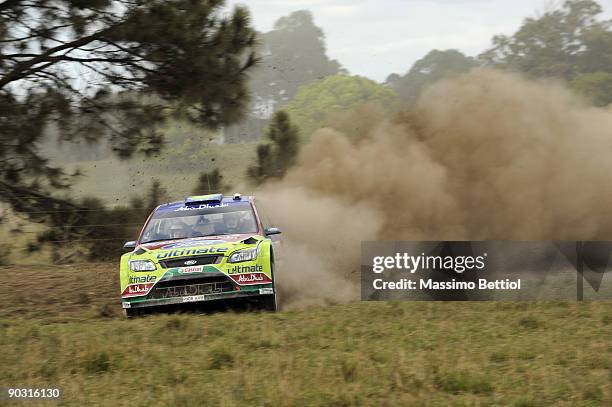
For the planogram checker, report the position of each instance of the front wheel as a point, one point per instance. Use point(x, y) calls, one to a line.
point(268, 303)
point(133, 312)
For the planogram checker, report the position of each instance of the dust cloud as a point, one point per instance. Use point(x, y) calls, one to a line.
point(487, 155)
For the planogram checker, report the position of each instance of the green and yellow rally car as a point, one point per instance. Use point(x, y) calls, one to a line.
point(205, 248)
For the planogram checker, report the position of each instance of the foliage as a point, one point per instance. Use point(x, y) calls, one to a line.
point(564, 43)
point(431, 68)
point(185, 144)
point(279, 152)
point(111, 178)
point(111, 70)
point(569, 42)
point(359, 123)
point(94, 231)
point(293, 54)
point(210, 183)
point(595, 86)
point(155, 196)
point(314, 103)
point(5, 254)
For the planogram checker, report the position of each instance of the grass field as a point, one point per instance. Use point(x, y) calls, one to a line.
point(116, 181)
point(61, 326)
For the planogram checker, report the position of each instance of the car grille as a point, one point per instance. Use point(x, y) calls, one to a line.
point(198, 261)
point(193, 286)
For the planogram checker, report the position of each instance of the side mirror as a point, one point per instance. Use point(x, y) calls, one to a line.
point(129, 246)
point(272, 231)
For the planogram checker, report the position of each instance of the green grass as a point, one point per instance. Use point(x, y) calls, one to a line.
point(362, 354)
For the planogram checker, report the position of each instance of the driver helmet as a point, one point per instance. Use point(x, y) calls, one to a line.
point(203, 226)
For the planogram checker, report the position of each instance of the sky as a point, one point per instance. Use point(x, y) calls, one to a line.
point(375, 38)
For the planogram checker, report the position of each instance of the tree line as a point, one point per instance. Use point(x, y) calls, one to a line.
point(571, 43)
point(113, 72)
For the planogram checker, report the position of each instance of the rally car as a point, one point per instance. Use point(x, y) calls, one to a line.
point(205, 248)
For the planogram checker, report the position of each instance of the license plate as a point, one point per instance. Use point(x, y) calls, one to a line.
point(192, 269)
point(193, 298)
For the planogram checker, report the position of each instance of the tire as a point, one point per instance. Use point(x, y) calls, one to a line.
point(271, 303)
point(132, 312)
point(268, 303)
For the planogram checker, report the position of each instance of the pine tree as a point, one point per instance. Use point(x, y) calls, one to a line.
point(210, 183)
point(279, 152)
point(111, 71)
point(156, 195)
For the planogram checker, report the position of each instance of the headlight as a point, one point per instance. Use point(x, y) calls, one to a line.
point(244, 255)
point(142, 265)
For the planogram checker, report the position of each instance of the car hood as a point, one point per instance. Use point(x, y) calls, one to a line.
point(228, 240)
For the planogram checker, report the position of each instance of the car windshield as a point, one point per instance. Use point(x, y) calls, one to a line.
point(198, 222)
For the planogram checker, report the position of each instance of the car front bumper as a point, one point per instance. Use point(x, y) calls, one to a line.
point(155, 302)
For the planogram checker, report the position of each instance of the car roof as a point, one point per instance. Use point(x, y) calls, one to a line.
point(204, 201)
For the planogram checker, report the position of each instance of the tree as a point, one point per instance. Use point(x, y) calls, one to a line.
point(427, 70)
point(210, 183)
point(597, 87)
point(94, 231)
point(185, 144)
point(156, 195)
point(562, 43)
point(279, 152)
point(293, 54)
point(316, 102)
point(111, 70)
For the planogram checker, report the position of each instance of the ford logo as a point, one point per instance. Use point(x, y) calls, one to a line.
point(190, 262)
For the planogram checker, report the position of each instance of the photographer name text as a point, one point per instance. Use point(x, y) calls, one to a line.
point(450, 265)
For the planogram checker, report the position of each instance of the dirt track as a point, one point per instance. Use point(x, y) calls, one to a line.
point(59, 291)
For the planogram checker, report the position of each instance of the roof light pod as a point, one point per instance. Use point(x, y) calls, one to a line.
point(204, 199)
point(237, 197)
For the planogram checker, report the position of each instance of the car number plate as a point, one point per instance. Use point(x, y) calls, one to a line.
point(193, 298)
